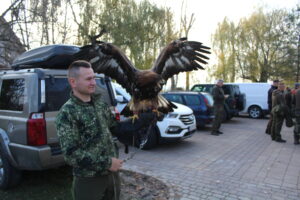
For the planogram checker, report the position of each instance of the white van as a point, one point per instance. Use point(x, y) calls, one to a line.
point(256, 98)
point(177, 125)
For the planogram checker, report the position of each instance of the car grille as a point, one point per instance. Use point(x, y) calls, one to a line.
point(187, 119)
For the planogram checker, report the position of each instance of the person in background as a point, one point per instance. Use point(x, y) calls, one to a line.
point(219, 100)
point(274, 86)
point(296, 113)
point(278, 112)
point(85, 125)
point(288, 97)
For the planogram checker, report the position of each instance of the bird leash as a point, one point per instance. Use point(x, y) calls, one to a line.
point(142, 142)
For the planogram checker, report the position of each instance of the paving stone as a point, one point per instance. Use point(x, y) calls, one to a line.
point(243, 163)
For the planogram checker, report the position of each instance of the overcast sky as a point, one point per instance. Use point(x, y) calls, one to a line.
point(209, 13)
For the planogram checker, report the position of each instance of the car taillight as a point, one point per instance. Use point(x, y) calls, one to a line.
point(117, 115)
point(36, 130)
point(206, 102)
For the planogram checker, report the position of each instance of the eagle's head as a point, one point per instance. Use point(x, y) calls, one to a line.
point(148, 84)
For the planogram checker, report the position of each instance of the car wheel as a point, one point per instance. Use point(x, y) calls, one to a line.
point(255, 112)
point(152, 132)
point(9, 175)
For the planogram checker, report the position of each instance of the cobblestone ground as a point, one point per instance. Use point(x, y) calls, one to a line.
point(243, 163)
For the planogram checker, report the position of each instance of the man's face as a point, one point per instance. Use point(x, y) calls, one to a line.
point(85, 82)
point(281, 86)
point(220, 83)
point(276, 84)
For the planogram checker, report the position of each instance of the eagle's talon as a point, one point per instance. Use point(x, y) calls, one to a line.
point(134, 117)
point(157, 112)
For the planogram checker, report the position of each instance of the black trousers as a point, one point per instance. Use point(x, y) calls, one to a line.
point(106, 187)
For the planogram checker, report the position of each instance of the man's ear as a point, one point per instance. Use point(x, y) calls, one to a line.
point(72, 82)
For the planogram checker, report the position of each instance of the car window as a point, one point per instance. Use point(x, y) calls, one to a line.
point(203, 88)
point(59, 87)
point(174, 97)
point(192, 100)
point(226, 89)
point(56, 87)
point(237, 90)
point(12, 94)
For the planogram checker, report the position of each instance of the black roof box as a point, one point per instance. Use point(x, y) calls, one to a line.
point(50, 56)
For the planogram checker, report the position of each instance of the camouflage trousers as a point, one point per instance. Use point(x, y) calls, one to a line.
point(106, 187)
point(218, 112)
point(277, 122)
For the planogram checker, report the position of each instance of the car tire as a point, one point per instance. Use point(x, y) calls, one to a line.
point(152, 137)
point(9, 175)
point(255, 112)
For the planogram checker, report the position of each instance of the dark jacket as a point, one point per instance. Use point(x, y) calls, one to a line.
point(270, 91)
point(218, 95)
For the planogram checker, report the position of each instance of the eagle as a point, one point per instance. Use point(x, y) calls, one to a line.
point(144, 86)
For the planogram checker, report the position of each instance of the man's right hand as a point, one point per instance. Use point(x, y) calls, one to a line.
point(116, 164)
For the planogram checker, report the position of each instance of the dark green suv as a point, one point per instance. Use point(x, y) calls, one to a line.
point(233, 104)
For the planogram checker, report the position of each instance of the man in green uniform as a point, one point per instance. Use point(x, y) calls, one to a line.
point(219, 100)
point(85, 126)
point(278, 112)
point(296, 103)
point(274, 86)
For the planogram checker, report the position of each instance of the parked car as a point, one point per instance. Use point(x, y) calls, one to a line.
point(29, 101)
point(256, 95)
point(234, 103)
point(201, 104)
point(177, 125)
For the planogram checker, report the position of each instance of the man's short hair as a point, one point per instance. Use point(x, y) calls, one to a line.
point(219, 80)
point(276, 81)
point(73, 70)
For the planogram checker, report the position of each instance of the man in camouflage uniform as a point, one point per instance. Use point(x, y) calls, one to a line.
point(85, 125)
point(296, 103)
point(274, 86)
point(219, 100)
point(279, 108)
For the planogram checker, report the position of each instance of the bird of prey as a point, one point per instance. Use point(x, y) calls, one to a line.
point(144, 85)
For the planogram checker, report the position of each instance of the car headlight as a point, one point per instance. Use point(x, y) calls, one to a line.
point(172, 115)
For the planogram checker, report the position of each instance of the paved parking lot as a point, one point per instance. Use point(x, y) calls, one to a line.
point(243, 163)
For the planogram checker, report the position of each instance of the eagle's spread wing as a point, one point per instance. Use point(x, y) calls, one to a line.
point(180, 56)
point(111, 61)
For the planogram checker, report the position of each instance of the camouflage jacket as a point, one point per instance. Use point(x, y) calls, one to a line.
point(279, 107)
point(85, 138)
point(218, 95)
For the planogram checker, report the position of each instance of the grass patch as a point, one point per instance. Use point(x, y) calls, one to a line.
point(53, 184)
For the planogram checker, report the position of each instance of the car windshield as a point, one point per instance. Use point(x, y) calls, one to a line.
point(203, 88)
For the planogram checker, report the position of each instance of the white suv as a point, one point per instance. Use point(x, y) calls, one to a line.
point(177, 125)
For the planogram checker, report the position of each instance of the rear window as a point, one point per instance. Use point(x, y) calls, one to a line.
point(226, 89)
point(58, 92)
point(192, 100)
point(174, 97)
point(12, 94)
